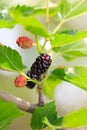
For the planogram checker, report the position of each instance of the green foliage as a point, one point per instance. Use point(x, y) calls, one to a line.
point(8, 112)
point(6, 24)
point(63, 39)
point(77, 75)
point(70, 9)
point(74, 119)
point(70, 32)
point(42, 11)
point(21, 16)
point(47, 116)
point(22, 10)
point(26, 17)
point(55, 78)
point(59, 73)
point(10, 59)
point(47, 111)
point(49, 85)
point(73, 50)
point(33, 10)
point(33, 25)
point(6, 21)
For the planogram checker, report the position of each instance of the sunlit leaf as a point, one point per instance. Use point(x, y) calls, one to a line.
point(42, 11)
point(70, 32)
point(49, 85)
point(10, 59)
point(47, 111)
point(33, 10)
point(77, 75)
point(23, 16)
point(63, 39)
point(72, 8)
point(6, 21)
point(8, 112)
point(73, 50)
point(74, 119)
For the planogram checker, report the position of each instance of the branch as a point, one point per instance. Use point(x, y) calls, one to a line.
point(24, 105)
point(41, 93)
point(20, 103)
point(41, 96)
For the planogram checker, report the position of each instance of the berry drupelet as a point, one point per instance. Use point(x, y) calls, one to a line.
point(39, 67)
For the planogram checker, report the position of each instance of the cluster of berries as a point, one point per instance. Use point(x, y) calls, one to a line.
point(39, 67)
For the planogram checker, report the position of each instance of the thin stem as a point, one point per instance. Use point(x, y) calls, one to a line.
point(47, 14)
point(42, 48)
point(28, 78)
point(37, 44)
point(24, 75)
point(47, 22)
point(58, 26)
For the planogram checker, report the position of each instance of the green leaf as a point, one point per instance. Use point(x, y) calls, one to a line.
point(21, 15)
point(42, 11)
point(49, 85)
point(8, 112)
point(73, 50)
point(77, 75)
point(70, 32)
point(10, 59)
point(59, 73)
point(33, 25)
point(55, 124)
point(74, 119)
point(22, 10)
point(47, 111)
point(33, 10)
point(6, 21)
point(70, 9)
point(63, 39)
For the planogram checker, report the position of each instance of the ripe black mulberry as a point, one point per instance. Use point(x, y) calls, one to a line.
point(39, 67)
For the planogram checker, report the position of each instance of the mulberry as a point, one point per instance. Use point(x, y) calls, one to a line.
point(20, 81)
point(31, 84)
point(24, 42)
point(39, 67)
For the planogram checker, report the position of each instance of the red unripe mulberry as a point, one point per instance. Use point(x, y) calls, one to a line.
point(24, 42)
point(20, 81)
